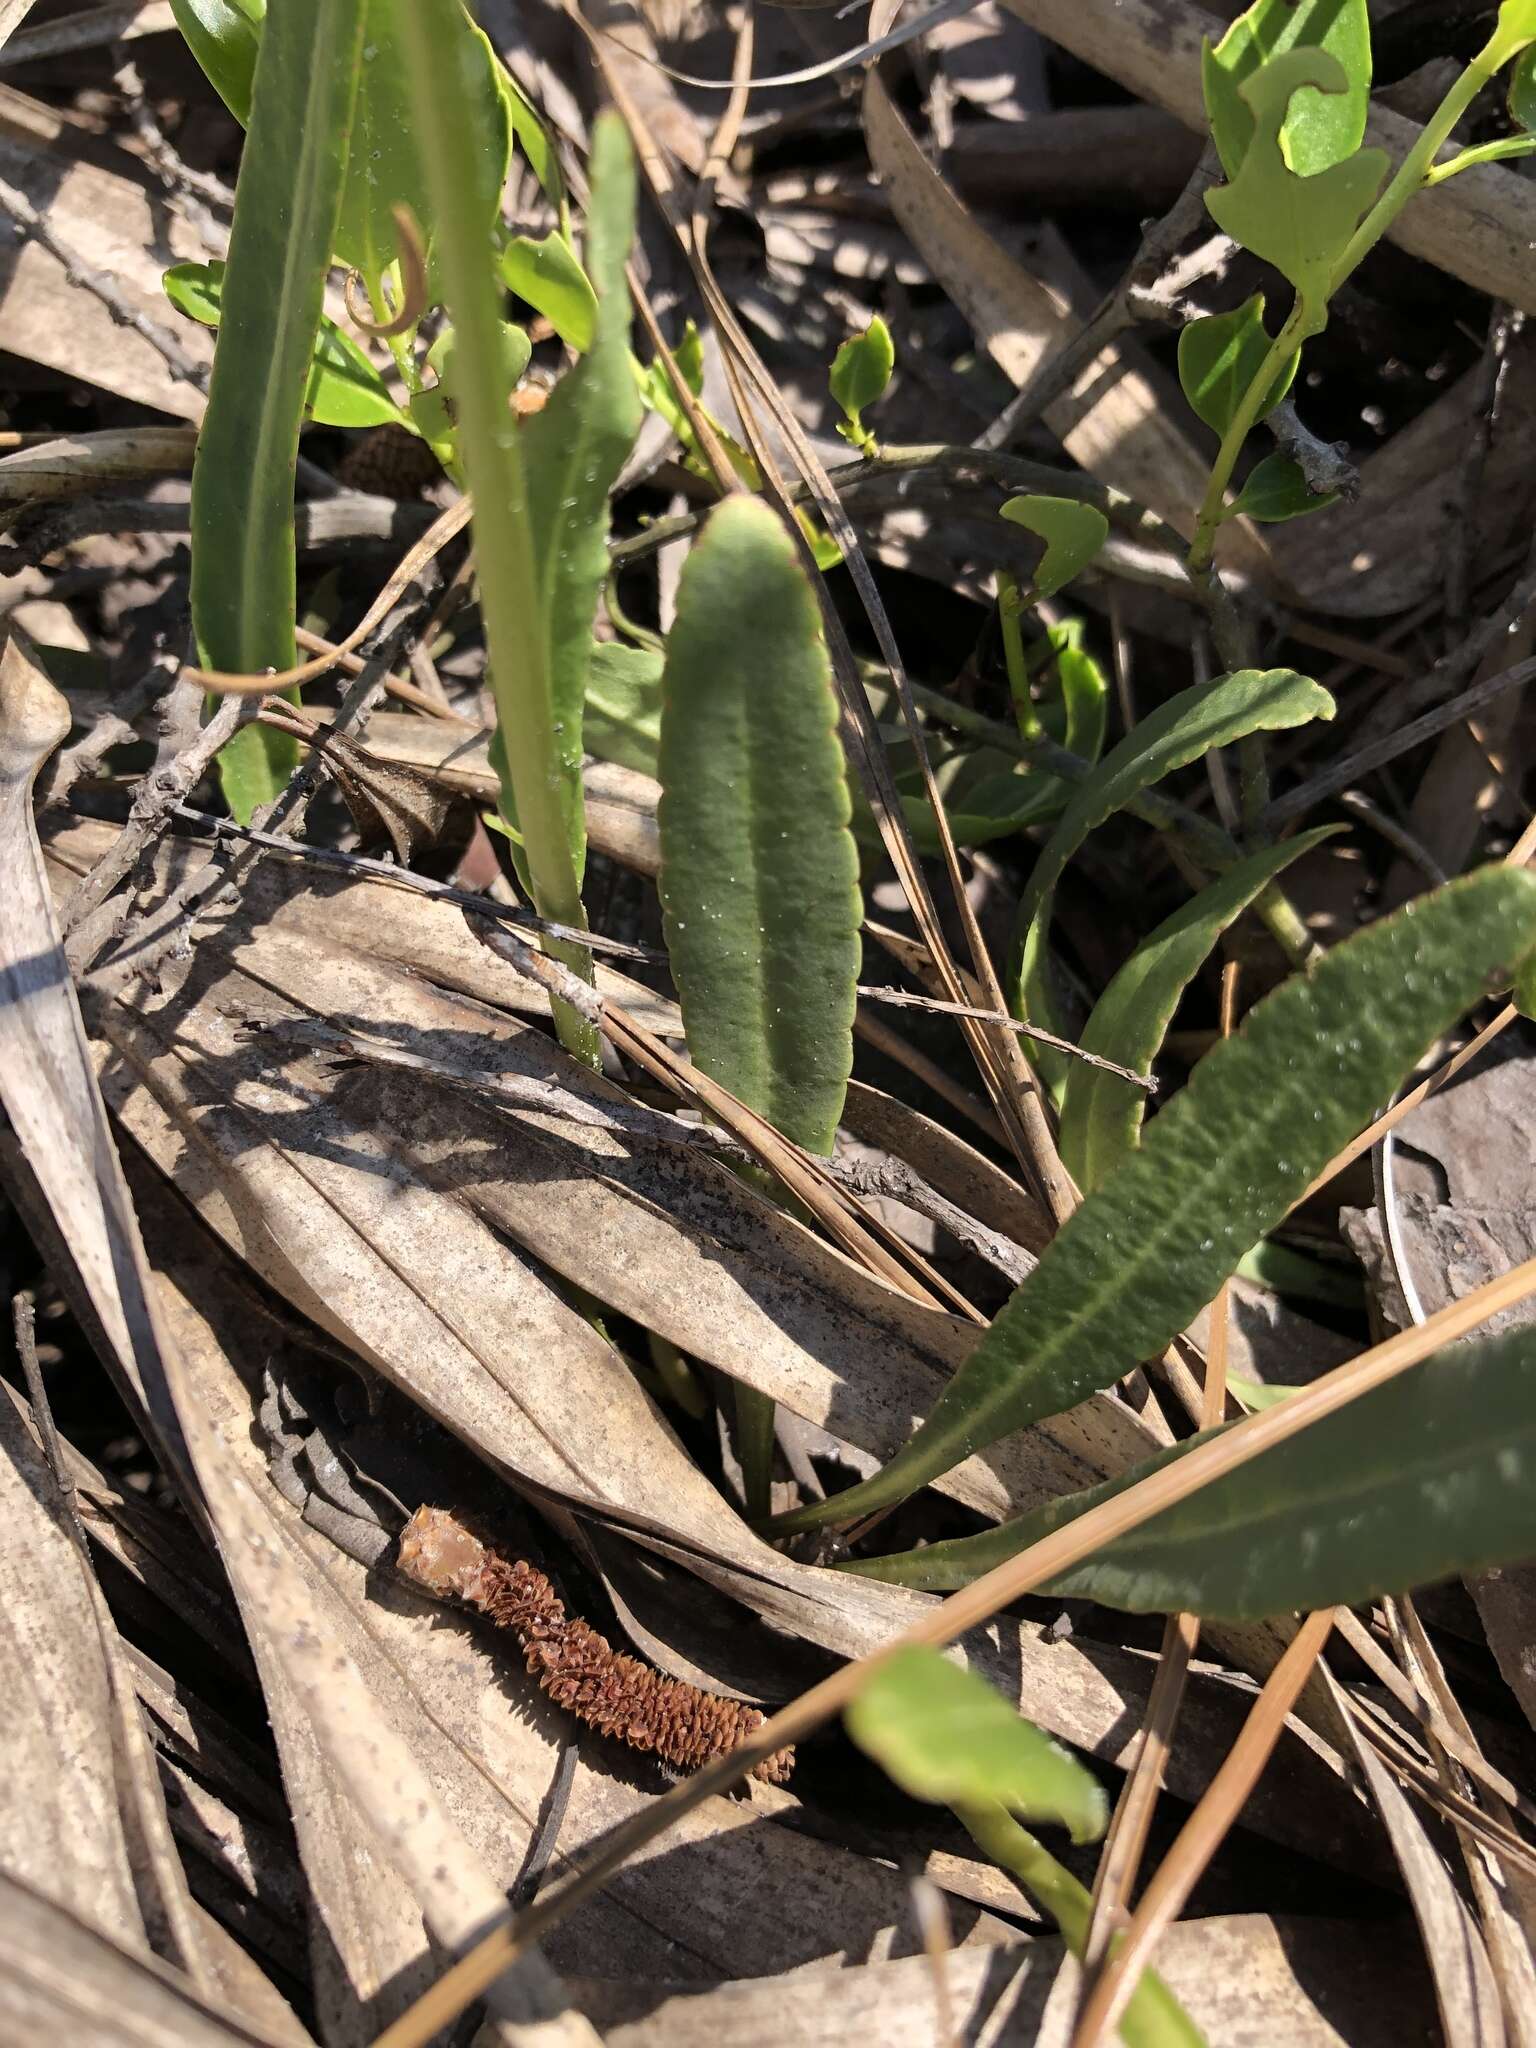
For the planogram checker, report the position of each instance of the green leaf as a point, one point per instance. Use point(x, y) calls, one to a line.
point(1262, 1114)
point(860, 372)
point(1219, 358)
point(1101, 1115)
point(344, 389)
point(1277, 489)
point(1425, 1478)
point(1302, 1277)
point(623, 719)
point(243, 586)
point(1318, 131)
point(1209, 715)
point(759, 873)
point(1301, 225)
point(545, 273)
point(1525, 989)
point(1522, 89)
point(1072, 531)
point(946, 1736)
point(1255, 1396)
point(224, 36)
point(573, 452)
point(1516, 28)
point(527, 124)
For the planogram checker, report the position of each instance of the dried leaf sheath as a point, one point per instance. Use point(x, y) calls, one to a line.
point(579, 1670)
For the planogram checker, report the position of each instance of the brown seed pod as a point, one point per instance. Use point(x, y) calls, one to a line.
point(572, 1663)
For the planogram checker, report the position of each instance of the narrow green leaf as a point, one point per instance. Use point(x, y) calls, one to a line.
point(544, 272)
point(344, 389)
point(533, 137)
point(1262, 1114)
point(1302, 225)
point(1318, 130)
point(1278, 489)
point(242, 484)
point(573, 452)
point(759, 873)
point(1219, 358)
point(1254, 1395)
point(623, 718)
point(1301, 1276)
point(946, 1736)
point(861, 370)
point(1072, 531)
point(1213, 714)
point(224, 36)
point(1101, 1115)
point(1427, 1477)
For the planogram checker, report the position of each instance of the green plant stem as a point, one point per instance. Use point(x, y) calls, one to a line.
point(1417, 166)
point(494, 469)
point(1153, 2017)
point(1301, 322)
point(756, 1415)
point(676, 1377)
point(1011, 602)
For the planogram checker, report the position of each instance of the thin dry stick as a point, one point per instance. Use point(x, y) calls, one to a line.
point(397, 686)
point(1204, 1831)
point(437, 536)
point(1048, 1559)
point(1127, 1842)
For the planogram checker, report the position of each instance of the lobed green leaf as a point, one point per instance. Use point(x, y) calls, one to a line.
point(1318, 130)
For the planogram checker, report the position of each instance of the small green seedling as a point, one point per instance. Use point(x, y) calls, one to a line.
point(861, 370)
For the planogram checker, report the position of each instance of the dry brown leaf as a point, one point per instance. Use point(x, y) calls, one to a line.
point(1244, 1981)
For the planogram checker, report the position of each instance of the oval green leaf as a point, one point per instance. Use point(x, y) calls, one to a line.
point(1101, 1115)
point(1427, 1477)
point(544, 273)
point(1319, 129)
point(623, 718)
point(861, 370)
point(1072, 531)
point(943, 1734)
point(1277, 489)
point(242, 482)
point(344, 389)
point(1262, 1114)
point(759, 874)
point(1220, 356)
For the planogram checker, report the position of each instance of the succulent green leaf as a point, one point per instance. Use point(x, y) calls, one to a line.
point(545, 273)
point(1427, 1477)
point(623, 720)
point(573, 452)
point(943, 1734)
point(1277, 489)
point(1101, 1115)
point(1072, 531)
point(861, 371)
point(224, 36)
point(759, 873)
point(243, 581)
point(1219, 358)
point(1301, 225)
point(1263, 1113)
point(344, 389)
point(1318, 130)
point(1209, 715)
